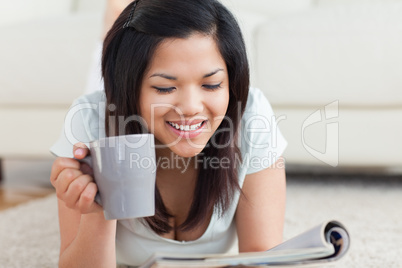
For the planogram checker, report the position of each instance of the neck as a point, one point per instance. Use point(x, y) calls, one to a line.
point(169, 162)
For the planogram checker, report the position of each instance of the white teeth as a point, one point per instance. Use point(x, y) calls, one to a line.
point(185, 127)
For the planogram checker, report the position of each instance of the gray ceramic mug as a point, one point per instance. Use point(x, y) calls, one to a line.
point(124, 170)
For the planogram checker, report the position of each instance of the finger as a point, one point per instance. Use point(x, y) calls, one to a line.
point(75, 189)
point(59, 165)
point(80, 150)
point(87, 202)
point(87, 169)
point(66, 177)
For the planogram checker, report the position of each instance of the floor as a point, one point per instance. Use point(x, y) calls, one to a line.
point(24, 180)
point(367, 202)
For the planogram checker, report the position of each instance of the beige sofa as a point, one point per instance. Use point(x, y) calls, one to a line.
point(331, 69)
point(45, 55)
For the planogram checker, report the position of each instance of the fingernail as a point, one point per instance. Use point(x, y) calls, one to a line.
point(79, 151)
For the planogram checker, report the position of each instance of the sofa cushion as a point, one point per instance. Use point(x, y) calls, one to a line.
point(24, 10)
point(348, 53)
point(45, 62)
point(29, 131)
point(267, 6)
point(248, 22)
point(348, 2)
point(89, 5)
point(356, 137)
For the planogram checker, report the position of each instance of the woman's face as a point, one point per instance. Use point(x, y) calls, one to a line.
point(185, 93)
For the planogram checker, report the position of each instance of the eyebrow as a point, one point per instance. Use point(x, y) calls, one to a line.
point(175, 78)
point(212, 73)
point(164, 76)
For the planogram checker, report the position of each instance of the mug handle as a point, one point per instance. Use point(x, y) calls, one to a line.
point(88, 160)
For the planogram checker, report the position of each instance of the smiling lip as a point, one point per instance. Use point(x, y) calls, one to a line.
point(187, 132)
point(187, 122)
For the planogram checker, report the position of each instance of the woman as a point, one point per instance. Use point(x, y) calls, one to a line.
point(181, 67)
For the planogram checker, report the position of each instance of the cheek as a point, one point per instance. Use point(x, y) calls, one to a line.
point(219, 104)
point(154, 114)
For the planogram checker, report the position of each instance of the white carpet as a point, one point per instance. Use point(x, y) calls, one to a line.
point(370, 209)
point(29, 235)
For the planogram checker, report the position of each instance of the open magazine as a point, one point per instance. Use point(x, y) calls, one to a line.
point(320, 245)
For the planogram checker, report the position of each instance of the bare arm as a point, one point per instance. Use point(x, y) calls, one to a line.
point(260, 214)
point(87, 239)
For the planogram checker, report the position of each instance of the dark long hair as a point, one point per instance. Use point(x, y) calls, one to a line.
point(127, 52)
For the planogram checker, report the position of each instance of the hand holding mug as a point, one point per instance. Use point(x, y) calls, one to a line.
point(123, 181)
point(74, 182)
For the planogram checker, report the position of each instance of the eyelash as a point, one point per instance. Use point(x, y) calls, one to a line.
point(212, 87)
point(164, 89)
point(170, 89)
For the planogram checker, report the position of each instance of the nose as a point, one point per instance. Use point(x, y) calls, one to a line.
point(190, 101)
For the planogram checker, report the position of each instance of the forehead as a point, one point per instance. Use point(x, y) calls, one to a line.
point(195, 51)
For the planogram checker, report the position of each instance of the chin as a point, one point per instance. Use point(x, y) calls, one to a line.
point(187, 152)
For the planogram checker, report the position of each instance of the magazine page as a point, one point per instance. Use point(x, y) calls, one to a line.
point(331, 235)
point(323, 243)
point(312, 238)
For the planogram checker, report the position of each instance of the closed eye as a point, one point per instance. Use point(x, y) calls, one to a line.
point(212, 87)
point(164, 89)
